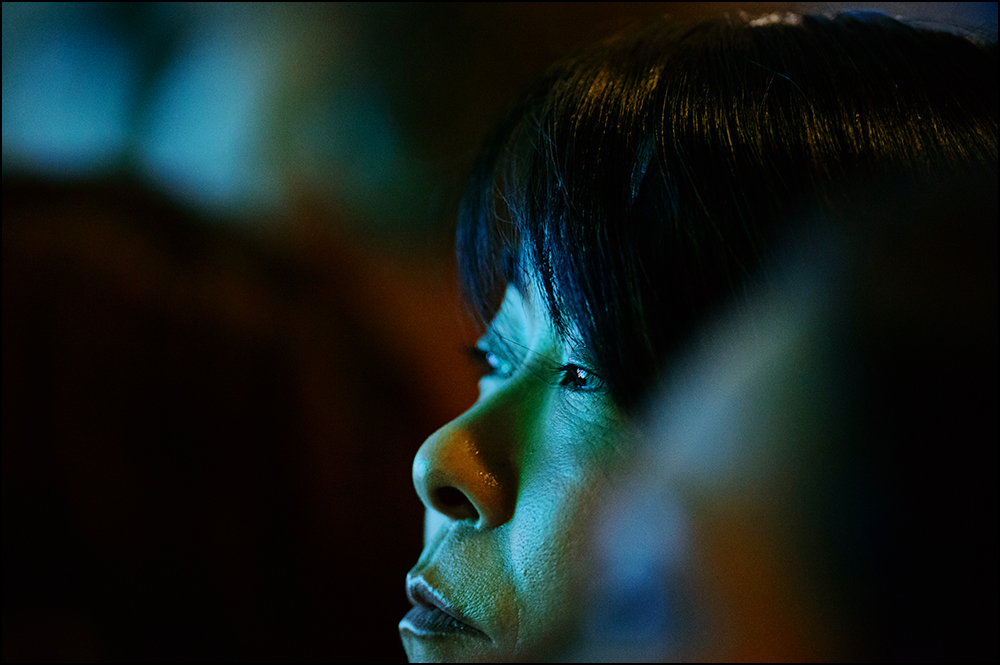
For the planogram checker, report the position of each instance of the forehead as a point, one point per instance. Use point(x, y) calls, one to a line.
point(523, 323)
point(519, 318)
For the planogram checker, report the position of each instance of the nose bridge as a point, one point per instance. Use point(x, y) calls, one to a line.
point(469, 469)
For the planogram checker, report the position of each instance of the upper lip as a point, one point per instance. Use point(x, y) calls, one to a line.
point(423, 594)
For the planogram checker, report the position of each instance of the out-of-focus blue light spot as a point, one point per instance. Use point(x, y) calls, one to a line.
point(206, 120)
point(66, 100)
point(642, 545)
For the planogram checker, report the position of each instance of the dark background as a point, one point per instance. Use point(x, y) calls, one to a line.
point(229, 312)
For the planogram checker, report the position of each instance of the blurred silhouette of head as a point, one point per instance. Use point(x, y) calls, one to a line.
point(634, 193)
point(818, 477)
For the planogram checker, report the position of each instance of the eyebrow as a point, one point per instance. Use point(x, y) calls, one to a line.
point(580, 352)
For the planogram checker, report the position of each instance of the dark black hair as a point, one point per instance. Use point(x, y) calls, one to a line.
point(641, 181)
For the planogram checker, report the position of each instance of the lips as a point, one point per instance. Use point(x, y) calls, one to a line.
point(432, 615)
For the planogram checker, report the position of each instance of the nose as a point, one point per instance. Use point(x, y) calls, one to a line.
point(468, 469)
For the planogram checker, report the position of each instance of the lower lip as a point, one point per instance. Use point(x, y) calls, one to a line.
point(425, 622)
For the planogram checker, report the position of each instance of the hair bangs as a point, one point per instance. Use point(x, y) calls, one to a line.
point(641, 182)
point(548, 199)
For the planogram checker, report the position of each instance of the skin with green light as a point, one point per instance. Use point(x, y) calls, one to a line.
point(708, 518)
point(509, 487)
point(529, 488)
point(630, 199)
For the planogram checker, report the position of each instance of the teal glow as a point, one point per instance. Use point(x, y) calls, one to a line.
point(67, 90)
point(202, 141)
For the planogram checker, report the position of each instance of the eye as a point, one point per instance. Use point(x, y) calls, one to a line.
point(488, 363)
point(580, 379)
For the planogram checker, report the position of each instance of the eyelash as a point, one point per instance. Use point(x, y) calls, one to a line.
point(575, 378)
point(487, 362)
point(570, 376)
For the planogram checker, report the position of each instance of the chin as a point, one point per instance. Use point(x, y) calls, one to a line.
point(448, 648)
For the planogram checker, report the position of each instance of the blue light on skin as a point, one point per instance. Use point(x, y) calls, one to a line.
point(511, 487)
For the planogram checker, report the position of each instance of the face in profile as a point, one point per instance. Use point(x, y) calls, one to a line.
point(509, 488)
point(650, 207)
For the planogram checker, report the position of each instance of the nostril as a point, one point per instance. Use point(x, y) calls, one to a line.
point(452, 502)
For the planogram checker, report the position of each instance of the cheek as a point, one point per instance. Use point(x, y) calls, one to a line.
point(563, 482)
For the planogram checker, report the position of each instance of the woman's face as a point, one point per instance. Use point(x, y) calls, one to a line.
point(510, 487)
